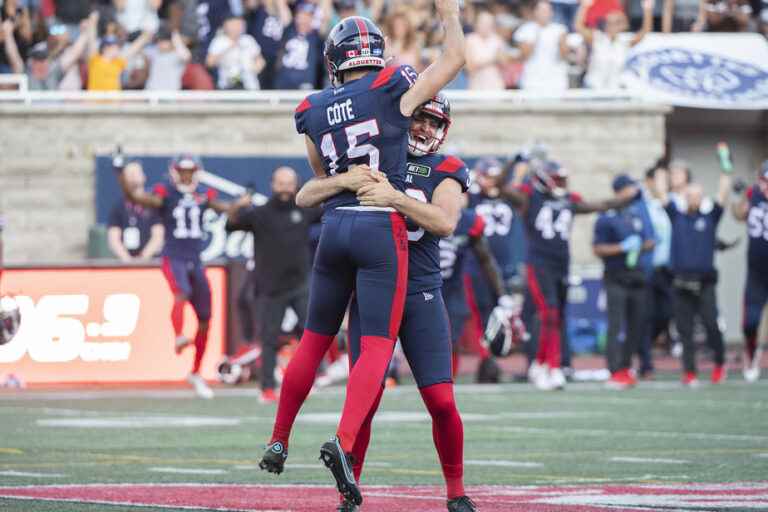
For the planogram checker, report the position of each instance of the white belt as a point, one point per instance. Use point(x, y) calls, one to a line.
point(367, 208)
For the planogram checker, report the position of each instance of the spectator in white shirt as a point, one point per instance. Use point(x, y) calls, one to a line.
point(485, 51)
point(137, 15)
point(543, 47)
point(236, 55)
point(610, 44)
point(168, 58)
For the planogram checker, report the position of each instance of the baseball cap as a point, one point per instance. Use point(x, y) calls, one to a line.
point(39, 51)
point(622, 181)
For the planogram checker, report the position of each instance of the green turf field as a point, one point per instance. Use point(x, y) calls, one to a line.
point(514, 435)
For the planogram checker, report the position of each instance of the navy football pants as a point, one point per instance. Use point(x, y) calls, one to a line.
point(366, 252)
point(425, 336)
point(187, 276)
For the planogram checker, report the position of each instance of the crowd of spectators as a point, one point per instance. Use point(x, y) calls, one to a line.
point(548, 45)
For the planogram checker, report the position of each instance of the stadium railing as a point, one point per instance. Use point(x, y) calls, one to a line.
point(277, 98)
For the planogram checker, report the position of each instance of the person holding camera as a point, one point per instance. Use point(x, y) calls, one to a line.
point(694, 241)
point(623, 239)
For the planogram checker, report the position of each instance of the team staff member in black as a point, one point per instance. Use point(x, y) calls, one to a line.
point(694, 236)
point(621, 237)
point(281, 254)
point(134, 233)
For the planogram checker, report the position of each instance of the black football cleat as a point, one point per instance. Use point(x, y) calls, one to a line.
point(488, 372)
point(348, 506)
point(340, 465)
point(274, 457)
point(461, 504)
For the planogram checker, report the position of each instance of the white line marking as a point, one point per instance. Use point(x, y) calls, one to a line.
point(503, 463)
point(762, 455)
point(31, 475)
point(140, 422)
point(137, 505)
point(189, 471)
point(643, 460)
point(639, 433)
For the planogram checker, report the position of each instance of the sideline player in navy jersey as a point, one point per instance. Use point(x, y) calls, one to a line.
point(753, 209)
point(548, 209)
point(505, 235)
point(363, 119)
point(469, 235)
point(181, 202)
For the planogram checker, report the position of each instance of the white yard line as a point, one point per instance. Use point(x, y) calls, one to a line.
point(27, 474)
point(643, 460)
point(188, 471)
point(134, 504)
point(640, 433)
point(503, 463)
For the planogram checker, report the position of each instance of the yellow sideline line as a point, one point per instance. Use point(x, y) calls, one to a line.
point(11, 451)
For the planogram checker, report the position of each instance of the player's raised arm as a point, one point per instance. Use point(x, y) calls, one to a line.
point(621, 200)
point(321, 188)
point(447, 65)
point(133, 194)
point(488, 263)
point(515, 196)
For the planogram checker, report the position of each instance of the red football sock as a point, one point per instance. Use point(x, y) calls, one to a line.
point(363, 438)
point(541, 351)
point(448, 435)
point(363, 386)
point(455, 362)
point(201, 341)
point(177, 317)
point(297, 382)
point(333, 352)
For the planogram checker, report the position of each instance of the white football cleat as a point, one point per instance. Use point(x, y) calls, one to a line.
point(557, 378)
point(751, 373)
point(535, 370)
point(181, 343)
point(539, 376)
point(201, 388)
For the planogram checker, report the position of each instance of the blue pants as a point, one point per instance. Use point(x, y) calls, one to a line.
point(366, 252)
point(755, 297)
point(458, 311)
point(187, 277)
point(424, 336)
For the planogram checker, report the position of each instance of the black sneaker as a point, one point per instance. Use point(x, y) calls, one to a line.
point(488, 372)
point(340, 465)
point(461, 504)
point(274, 457)
point(348, 506)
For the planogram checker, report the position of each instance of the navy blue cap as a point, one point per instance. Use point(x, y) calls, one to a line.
point(622, 181)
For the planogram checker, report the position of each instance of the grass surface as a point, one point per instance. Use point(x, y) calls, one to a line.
point(513, 435)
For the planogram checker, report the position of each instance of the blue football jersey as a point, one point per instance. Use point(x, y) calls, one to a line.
point(757, 228)
point(182, 216)
point(504, 231)
point(424, 174)
point(548, 222)
point(360, 123)
point(454, 248)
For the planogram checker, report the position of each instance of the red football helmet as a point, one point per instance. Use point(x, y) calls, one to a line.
point(421, 140)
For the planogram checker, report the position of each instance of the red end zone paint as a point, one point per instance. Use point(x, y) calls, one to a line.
point(303, 498)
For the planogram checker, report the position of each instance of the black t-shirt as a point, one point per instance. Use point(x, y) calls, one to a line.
point(281, 243)
point(136, 225)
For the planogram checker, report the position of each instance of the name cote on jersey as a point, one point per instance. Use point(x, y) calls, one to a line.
point(340, 112)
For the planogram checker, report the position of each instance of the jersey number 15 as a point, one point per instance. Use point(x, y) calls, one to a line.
point(355, 133)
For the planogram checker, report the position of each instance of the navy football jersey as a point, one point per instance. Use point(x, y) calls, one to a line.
point(360, 123)
point(182, 216)
point(424, 174)
point(548, 222)
point(455, 247)
point(757, 228)
point(504, 231)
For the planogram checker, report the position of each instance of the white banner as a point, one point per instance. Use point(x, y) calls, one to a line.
point(719, 71)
